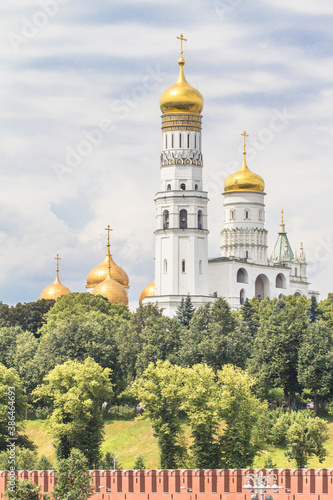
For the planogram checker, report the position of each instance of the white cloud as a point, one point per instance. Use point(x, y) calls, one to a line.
point(64, 81)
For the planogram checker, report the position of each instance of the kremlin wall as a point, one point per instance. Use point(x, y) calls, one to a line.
point(305, 484)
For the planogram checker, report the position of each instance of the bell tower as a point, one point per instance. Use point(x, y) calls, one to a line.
point(181, 255)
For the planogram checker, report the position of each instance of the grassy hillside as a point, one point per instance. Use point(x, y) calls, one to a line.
point(128, 439)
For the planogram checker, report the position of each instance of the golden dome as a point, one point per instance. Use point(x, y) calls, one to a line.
point(57, 289)
point(112, 290)
point(181, 97)
point(244, 180)
point(149, 291)
point(100, 273)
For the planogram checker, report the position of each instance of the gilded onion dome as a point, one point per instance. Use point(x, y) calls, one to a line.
point(57, 289)
point(148, 291)
point(111, 290)
point(100, 272)
point(181, 97)
point(244, 179)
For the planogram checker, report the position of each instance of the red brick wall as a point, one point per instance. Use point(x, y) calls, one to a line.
point(305, 484)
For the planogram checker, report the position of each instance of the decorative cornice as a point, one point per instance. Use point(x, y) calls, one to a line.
point(181, 157)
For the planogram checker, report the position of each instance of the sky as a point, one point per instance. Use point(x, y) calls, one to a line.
point(80, 129)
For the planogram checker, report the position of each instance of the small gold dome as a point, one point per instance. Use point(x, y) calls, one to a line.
point(181, 97)
point(149, 291)
point(100, 273)
point(112, 290)
point(244, 180)
point(57, 289)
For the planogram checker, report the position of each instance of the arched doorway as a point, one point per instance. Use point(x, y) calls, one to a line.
point(261, 287)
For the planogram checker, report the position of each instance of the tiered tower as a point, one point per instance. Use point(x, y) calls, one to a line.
point(181, 263)
point(244, 235)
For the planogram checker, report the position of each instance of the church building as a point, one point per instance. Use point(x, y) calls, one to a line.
point(243, 269)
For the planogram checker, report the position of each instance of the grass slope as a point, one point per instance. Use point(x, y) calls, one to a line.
point(129, 439)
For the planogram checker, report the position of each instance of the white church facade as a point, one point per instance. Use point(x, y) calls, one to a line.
point(244, 269)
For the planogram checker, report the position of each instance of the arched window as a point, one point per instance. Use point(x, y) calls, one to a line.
point(232, 215)
point(188, 141)
point(297, 294)
point(195, 141)
point(196, 187)
point(242, 276)
point(165, 266)
point(180, 140)
point(183, 219)
point(166, 141)
point(183, 266)
point(246, 254)
point(200, 266)
point(199, 219)
point(296, 271)
point(280, 281)
point(169, 187)
point(172, 140)
point(242, 296)
point(183, 186)
point(247, 214)
point(166, 219)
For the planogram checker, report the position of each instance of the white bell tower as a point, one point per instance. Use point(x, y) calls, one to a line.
point(244, 235)
point(181, 263)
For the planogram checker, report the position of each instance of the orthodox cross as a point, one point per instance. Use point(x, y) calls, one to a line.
point(57, 258)
point(108, 229)
point(182, 39)
point(245, 135)
point(282, 214)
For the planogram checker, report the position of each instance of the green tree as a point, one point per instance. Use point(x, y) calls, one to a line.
point(12, 405)
point(139, 463)
point(159, 390)
point(326, 308)
point(75, 391)
point(185, 311)
point(44, 463)
point(24, 459)
point(200, 402)
point(85, 334)
point(130, 341)
point(240, 410)
point(305, 437)
point(190, 352)
point(28, 316)
point(159, 340)
point(249, 316)
point(312, 311)
point(315, 362)
point(8, 336)
point(276, 347)
point(215, 337)
point(24, 490)
point(110, 461)
point(73, 480)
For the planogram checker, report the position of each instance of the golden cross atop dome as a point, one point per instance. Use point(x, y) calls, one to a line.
point(282, 215)
point(108, 229)
point(245, 135)
point(57, 258)
point(182, 39)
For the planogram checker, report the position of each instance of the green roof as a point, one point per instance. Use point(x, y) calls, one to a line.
point(280, 245)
